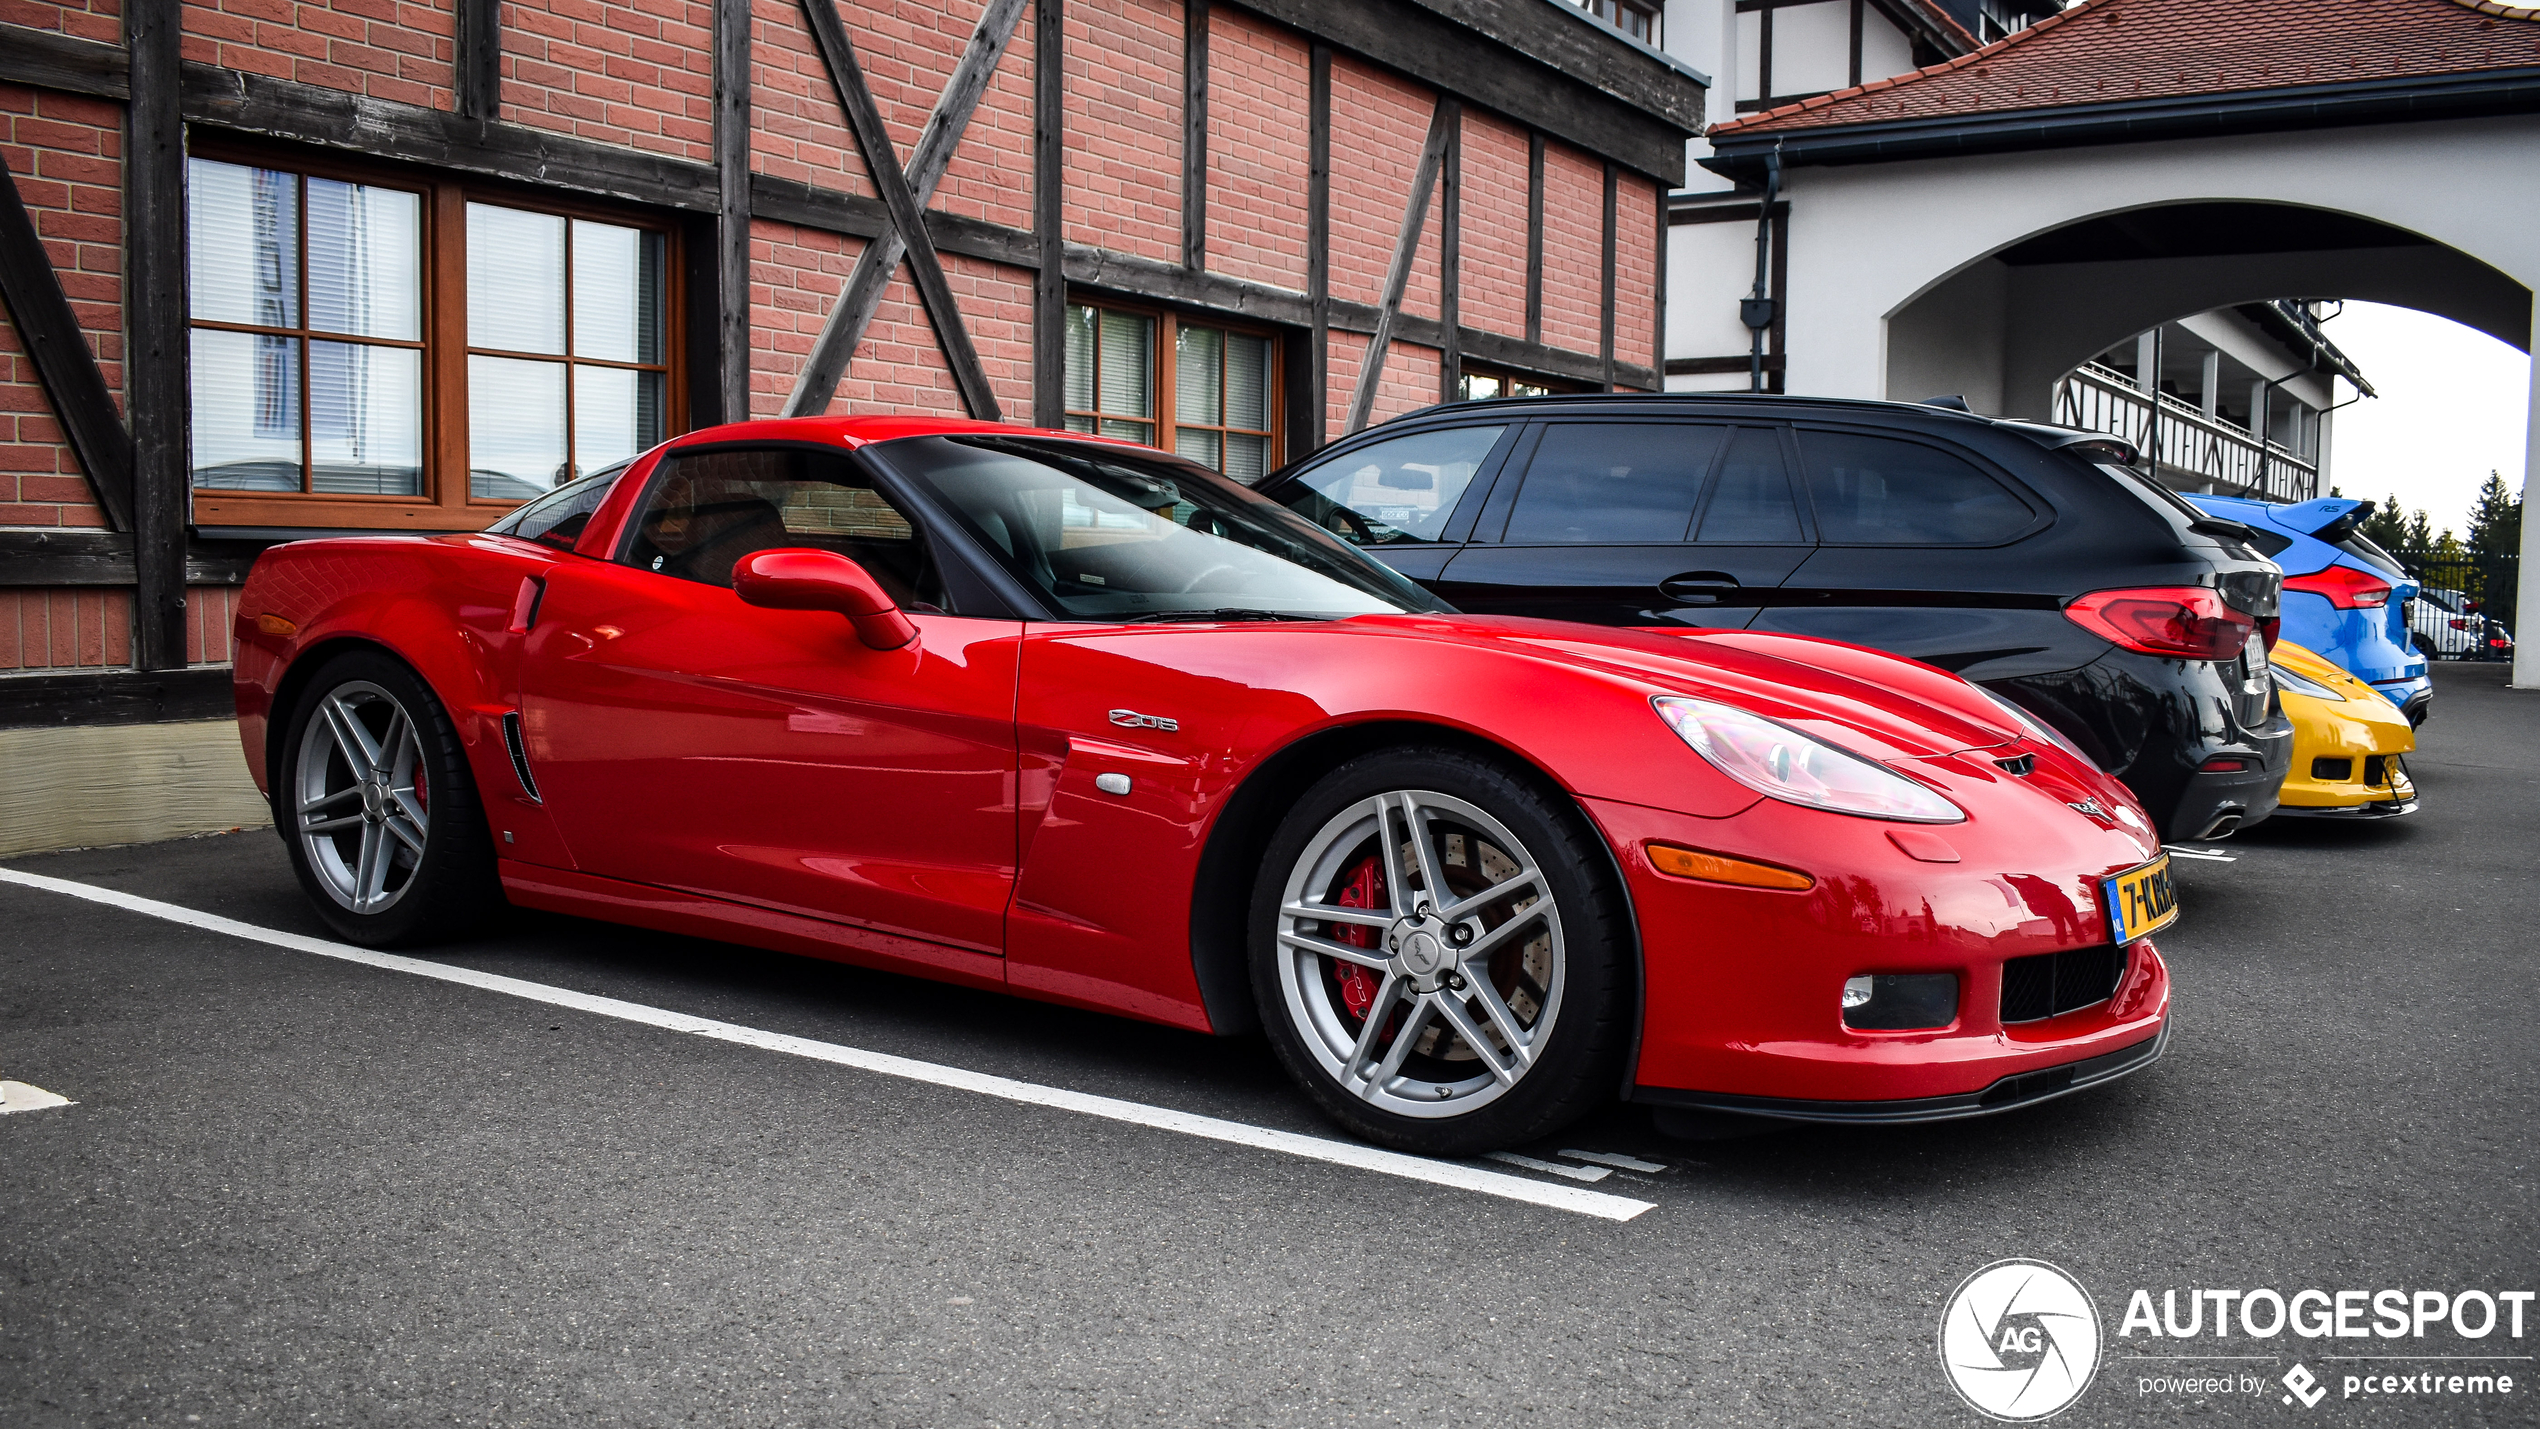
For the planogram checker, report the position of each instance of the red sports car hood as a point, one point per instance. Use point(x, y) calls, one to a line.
point(1867, 701)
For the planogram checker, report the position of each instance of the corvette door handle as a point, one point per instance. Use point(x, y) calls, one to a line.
point(1698, 585)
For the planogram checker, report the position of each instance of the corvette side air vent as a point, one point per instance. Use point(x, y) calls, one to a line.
point(2019, 764)
point(520, 755)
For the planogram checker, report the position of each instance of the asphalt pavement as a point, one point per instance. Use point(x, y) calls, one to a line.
point(291, 1189)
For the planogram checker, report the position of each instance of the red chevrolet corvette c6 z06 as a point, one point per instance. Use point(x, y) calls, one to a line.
point(1078, 720)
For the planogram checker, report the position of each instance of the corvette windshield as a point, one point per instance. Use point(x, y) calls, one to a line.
point(1109, 534)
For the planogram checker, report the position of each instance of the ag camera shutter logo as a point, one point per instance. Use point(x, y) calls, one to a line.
point(2019, 1340)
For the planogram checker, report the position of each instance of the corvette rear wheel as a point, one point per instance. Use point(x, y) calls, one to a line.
point(1439, 953)
point(376, 804)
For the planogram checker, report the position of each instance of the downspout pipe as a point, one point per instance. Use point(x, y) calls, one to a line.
point(1757, 311)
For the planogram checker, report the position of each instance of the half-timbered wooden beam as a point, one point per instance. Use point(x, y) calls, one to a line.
point(1415, 216)
point(1049, 216)
point(1534, 238)
point(1658, 306)
point(64, 364)
point(732, 216)
point(478, 60)
point(1605, 286)
point(1195, 133)
point(1315, 420)
point(908, 211)
point(154, 328)
point(1450, 263)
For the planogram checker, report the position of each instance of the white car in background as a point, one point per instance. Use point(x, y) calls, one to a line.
point(2442, 626)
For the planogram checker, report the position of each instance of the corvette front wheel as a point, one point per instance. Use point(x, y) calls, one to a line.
point(1440, 953)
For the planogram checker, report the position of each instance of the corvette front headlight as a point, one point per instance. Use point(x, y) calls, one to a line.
point(1777, 761)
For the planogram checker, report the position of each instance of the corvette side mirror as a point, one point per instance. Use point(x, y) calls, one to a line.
point(801, 579)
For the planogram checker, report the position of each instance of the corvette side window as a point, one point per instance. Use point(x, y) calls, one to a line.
point(557, 518)
point(708, 509)
point(1396, 491)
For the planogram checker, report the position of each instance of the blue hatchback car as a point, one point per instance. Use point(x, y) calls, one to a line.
point(2343, 596)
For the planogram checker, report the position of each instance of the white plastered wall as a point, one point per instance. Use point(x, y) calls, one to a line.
point(1868, 240)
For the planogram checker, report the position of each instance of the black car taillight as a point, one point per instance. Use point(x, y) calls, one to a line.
point(2184, 622)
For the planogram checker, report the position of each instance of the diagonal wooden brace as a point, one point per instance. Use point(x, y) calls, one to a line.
point(904, 193)
point(1415, 214)
point(68, 371)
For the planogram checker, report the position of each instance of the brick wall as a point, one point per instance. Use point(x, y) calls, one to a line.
point(638, 73)
point(388, 49)
point(65, 154)
point(1124, 126)
point(1378, 125)
point(795, 276)
point(100, 20)
point(65, 626)
point(1573, 248)
point(800, 133)
point(1635, 269)
point(1259, 160)
point(1493, 238)
point(90, 627)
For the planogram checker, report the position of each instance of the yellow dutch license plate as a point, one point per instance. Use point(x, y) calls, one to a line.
point(2142, 901)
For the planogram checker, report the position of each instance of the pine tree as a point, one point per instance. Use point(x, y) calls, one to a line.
point(2421, 533)
point(2495, 520)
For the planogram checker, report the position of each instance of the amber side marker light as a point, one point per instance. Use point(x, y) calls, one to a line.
point(1717, 868)
point(276, 625)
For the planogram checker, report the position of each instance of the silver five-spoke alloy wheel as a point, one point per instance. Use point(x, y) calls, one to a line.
point(1420, 953)
point(362, 805)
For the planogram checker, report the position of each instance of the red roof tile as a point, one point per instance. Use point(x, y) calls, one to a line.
point(2106, 50)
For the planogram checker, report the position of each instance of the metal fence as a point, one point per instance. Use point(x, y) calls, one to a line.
point(2489, 582)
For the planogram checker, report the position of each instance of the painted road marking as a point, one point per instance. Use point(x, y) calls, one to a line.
point(18, 1096)
point(1618, 1160)
point(1457, 1175)
point(2210, 855)
point(1551, 1168)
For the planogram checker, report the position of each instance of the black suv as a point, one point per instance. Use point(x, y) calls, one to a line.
point(2030, 559)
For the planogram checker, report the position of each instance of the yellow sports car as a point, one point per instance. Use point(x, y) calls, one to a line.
point(2349, 743)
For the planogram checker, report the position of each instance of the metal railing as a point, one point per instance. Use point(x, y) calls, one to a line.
point(2490, 582)
point(2186, 445)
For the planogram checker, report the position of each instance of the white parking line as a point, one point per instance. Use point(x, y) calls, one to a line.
point(2209, 855)
point(1618, 1160)
point(1551, 1168)
point(18, 1096)
point(1454, 1174)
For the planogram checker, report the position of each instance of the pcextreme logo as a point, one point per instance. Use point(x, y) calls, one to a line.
point(2019, 1340)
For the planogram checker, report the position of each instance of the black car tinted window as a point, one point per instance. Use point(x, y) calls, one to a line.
point(1751, 500)
point(1392, 491)
point(1612, 483)
point(1878, 491)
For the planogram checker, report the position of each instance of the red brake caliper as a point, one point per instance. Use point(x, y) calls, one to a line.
point(1365, 889)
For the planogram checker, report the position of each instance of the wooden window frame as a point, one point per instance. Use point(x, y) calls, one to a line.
point(445, 504)
point(1168, 326)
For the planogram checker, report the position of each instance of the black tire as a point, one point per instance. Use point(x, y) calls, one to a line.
point(442, 891)
point(1571, 960)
